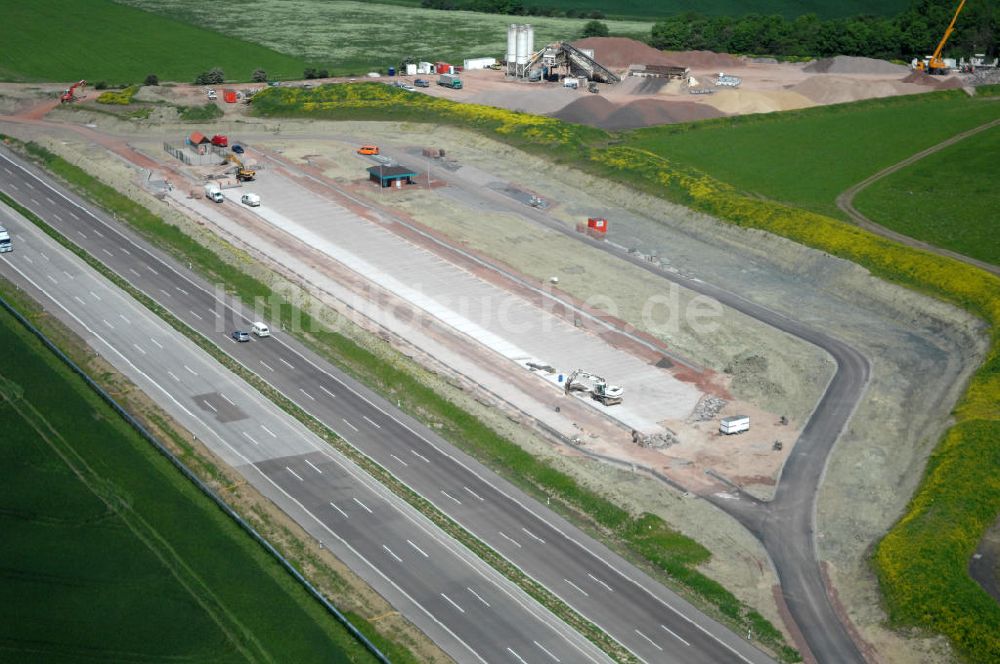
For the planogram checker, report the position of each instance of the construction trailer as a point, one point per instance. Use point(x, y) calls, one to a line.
point(734, 424)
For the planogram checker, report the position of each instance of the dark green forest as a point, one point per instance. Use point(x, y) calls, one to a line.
point(913, 33)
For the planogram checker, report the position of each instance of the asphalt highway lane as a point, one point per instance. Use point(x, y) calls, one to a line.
point(650, 620)
point(463, 604)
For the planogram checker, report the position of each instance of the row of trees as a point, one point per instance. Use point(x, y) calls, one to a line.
point(216, 76)
point(509, 7)
point(914, 33)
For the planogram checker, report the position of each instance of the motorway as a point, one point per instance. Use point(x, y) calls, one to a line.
point(648, 619)
point(458, 600)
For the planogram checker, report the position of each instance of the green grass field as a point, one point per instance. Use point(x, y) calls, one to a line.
point(109, 554)
point(355, 37)
point(64, 40)
point(652, 9)
point(806, 158)
point(948, 199)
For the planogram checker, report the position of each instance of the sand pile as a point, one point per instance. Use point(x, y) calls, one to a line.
point(592, 110)
point(599, 112)
point(620, 52)
point(839, 89)
point(638, 85)
point(920, 78)
point(846, 64)
point(741, 102)
point(539, 100)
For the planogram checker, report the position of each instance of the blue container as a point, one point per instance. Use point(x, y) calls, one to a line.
point(392, 71)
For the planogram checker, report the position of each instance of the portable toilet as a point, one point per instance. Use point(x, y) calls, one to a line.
point(229, 96)
point(392, 71)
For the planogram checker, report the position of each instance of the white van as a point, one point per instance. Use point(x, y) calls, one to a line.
point(260, 329)
point(213, 192)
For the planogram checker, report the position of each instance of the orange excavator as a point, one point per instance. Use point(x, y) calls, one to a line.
point(70, 94)
point(936, 64)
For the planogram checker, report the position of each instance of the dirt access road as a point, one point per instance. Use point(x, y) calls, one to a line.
point(846, 202)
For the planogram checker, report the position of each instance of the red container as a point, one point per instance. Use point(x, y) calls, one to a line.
point(442, 68)
point(597, 225)
point(229, 96)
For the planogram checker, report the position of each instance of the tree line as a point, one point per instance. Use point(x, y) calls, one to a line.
point(914, 33)
point(509, 7)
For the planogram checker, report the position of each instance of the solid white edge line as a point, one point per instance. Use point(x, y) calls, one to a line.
point(376, 407)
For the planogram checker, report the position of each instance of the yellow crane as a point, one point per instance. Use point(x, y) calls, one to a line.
point(936, 64)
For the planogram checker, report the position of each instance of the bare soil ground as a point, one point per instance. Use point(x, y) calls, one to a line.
point(640, 102)
point(923, 350)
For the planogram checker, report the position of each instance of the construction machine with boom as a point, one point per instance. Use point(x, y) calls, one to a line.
point(935, 64)
point(69, 95)
point(243, 174)
point(584, 381)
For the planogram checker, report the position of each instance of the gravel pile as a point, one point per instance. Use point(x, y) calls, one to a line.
point(597, 111)
point(620, 52)
point(708, 408)
point(848, 64)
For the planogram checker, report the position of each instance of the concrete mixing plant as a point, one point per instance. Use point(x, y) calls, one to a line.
point(520, 49)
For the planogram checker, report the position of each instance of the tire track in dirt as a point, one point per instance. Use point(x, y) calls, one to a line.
point(845, 201)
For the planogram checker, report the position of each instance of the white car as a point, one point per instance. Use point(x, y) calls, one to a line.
point(253, 200)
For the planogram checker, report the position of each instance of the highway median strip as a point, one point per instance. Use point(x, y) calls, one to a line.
point(646, 537)
point(534, 589)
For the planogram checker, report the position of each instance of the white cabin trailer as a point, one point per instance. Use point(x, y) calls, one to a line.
point(734, 424)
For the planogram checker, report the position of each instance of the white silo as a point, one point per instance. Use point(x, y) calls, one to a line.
point(511, 43)
point(522, 45)
point(531, 40)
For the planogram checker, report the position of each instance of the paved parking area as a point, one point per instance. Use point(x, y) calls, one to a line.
point(515, 329)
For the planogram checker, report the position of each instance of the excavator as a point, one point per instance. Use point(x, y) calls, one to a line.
point(584, 381)
point(69, 95)
point(936, 64)
point(243, 174)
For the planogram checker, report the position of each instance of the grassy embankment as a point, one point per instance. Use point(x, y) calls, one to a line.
point(922, 561)
point(66, 40)
point(109, 553)
point(646, 535)
point(949, 199)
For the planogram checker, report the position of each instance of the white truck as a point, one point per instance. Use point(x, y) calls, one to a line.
point(5, 244)
point(253, 200)
point(734, 424)
point(213, 192)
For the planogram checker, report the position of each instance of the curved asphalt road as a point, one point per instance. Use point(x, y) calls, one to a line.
point(785, 525)
point(648, 619)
